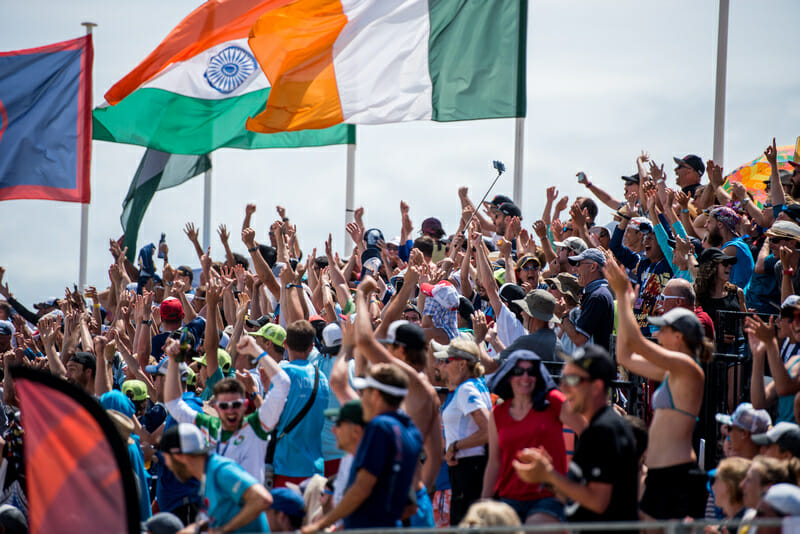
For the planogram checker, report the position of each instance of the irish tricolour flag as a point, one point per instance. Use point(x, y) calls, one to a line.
point(195, 91)
point(380, 61)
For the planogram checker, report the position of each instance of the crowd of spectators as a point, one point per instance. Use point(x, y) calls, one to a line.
point(440, 379)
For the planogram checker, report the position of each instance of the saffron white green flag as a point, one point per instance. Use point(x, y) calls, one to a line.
point(194, 92)
point(157, 170)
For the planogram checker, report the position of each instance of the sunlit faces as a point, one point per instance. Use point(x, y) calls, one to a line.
point(575, 383)
point(523, 378)
point(231, 408)
point(586, 271)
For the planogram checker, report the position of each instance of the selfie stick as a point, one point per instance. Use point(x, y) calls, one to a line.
point(500, 170)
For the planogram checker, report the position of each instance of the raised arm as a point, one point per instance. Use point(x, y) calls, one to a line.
point(213, 296)
point(601, 194)
point(192, 233)
point(259, 263)
point(776, 195)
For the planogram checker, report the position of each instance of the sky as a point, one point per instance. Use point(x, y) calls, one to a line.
point(605, 79)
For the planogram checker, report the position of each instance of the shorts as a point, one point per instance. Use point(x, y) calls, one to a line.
point(466, 481)
point(548, 505)
point(675, 492)
point(441, 508)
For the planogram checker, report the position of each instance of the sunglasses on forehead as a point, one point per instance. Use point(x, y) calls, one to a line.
point(232, 405)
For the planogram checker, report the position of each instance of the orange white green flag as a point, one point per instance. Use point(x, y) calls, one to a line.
point(381, 61)
point(195, 91)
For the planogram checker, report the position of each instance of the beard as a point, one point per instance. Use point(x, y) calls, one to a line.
point(714, 237)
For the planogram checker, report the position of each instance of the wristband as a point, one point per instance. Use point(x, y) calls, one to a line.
point(684, 210)
point(588, 184)
point(789, 271)
point(252, 249)
point(147, 322)
point(290, 286)
point(455, 446)
point(286, 219)
point(259, 357)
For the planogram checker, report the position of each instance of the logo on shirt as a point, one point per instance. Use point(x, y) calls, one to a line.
point(238, 441)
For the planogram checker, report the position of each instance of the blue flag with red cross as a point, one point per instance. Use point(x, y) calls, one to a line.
point(46, 122)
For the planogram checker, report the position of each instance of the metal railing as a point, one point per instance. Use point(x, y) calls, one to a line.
point(667, 527)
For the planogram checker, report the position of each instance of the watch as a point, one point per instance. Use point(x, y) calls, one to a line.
point(289, 286)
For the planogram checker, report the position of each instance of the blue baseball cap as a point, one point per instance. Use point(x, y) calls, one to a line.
point(289, 502)
point(591, 254)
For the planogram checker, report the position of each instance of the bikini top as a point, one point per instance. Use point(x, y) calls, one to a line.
point(662, 399)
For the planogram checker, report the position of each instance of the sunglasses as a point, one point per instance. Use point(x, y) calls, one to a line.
point(788, 314)
point(233, 405)
point(451, 360)
point(663, 298)
point(531, 267)
point(573, 380)
point(519, 371)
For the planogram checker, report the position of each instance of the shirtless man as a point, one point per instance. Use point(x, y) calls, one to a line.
point(422, 403)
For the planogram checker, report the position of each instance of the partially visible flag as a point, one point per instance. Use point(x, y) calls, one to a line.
point(195, 91)
point(78, 474)
point(45, 122)
point(157, 170)
point(377, 61)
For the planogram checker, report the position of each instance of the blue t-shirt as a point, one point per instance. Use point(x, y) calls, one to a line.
point(299, 453)
point(742, 270)
point(764, 293)
point(171, 492)
point(597, 313)
point(141, 476)
point(325, 363)
point(389, 450)
point(225, 484)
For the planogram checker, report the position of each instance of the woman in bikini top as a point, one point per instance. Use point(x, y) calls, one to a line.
point(675, 362)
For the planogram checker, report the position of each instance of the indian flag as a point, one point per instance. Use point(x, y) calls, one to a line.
point(382, 61)
point(195, 91)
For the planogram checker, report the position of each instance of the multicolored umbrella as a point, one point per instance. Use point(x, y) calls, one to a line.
point(754, 175)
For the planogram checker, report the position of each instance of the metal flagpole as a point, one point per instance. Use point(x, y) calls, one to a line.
point(719, 98)
point(84, 245)
point(207, 207)
point(350, 187)
point(519, 148)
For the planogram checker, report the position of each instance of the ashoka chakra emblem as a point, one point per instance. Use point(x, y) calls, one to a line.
point(229, 69)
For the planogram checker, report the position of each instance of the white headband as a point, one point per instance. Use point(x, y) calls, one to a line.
point(369, 382)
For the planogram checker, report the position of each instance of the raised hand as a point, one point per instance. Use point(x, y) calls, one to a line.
point(205, 260)
point(656, 172)
point(683, 199)
point(513, 229)
point(281, 212)
point(249, 237)
point(479, 326)
point(191, 232)
point(552, 194)
point(617, 279)
point(738, 191)
point(250, 209)
point(771, 154)
point(754, 326)
point(354, 231)
point(557, 227)
point(714, 173)
point(540, 229)
point(562, 204)
point(223, 233)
